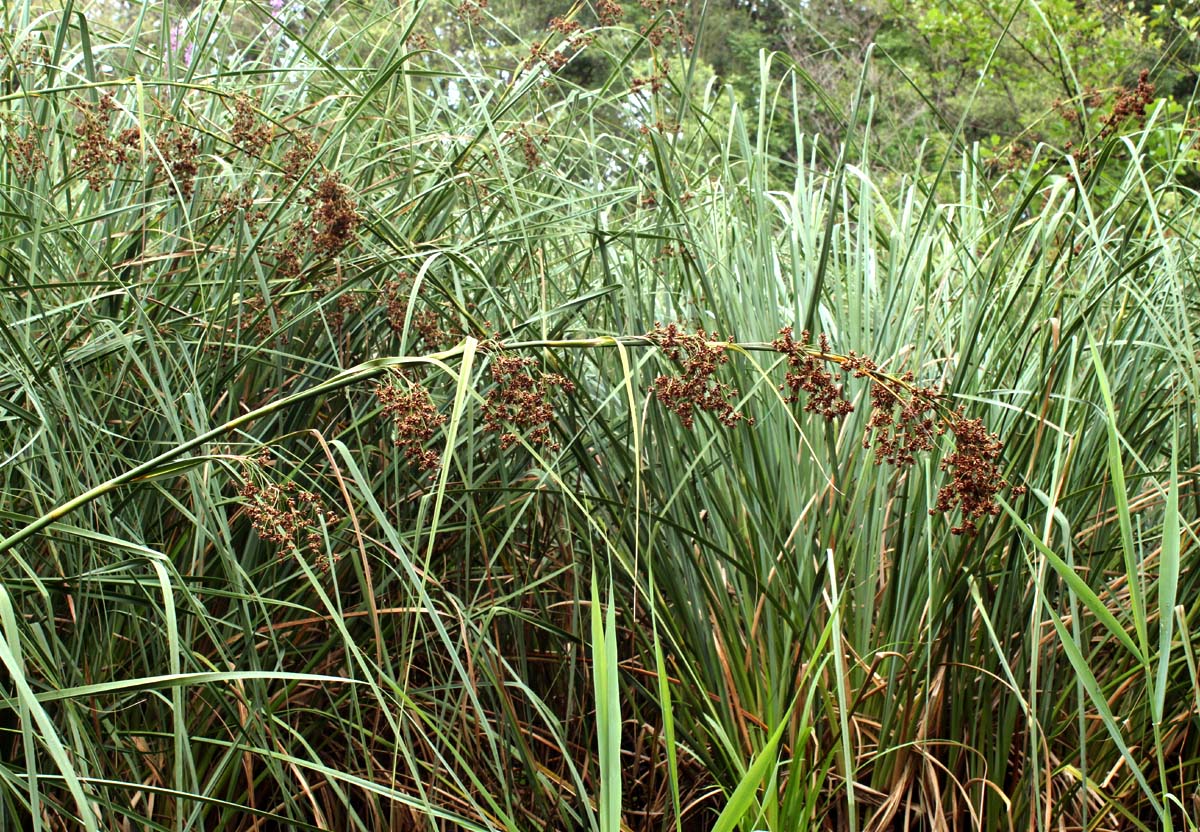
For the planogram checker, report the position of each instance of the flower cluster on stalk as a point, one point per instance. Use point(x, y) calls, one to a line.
point(975, 477)
point(414, 420)
point(520, 401)
point(905, 418)
point(96, 151)
point(287, 516)
point(180, 149)
point(248, 133)
point(806, 374)
point(695, 388)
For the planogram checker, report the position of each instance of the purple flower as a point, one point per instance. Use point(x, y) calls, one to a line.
point(178, 31)
point(277, 7)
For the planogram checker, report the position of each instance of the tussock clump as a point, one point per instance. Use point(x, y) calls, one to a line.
point(520, 401)
point(699, 355)
point(414, 420)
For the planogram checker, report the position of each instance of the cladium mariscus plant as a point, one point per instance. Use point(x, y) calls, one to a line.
point(373, 460)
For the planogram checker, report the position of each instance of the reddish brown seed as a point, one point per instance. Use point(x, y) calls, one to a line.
point(806, 374)
point(520, 401)
point(695, 388)
point(414, 419)
point(287, 517)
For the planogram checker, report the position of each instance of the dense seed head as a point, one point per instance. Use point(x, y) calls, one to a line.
point(414, 417)
point(975, 474)
point(807, 374)
point(287, 516)
point(248, 133)
point(335, 216)
point(180, 150)
point(695, 388)
point(520, 401)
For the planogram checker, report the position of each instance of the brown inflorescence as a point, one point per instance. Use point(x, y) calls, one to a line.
point(426, 322)
point(610, 12)
point(655, 82)
point(180, 150)
point(299, 156)
point(472, 10)
point(26, 151)
point(288, 253)
point(335, 216)
point(695, 388)
point(529, 142)
point(241, 202)
point(128, 141)
point(1130, 103)
point(414, 419)
point(95, 151)
point(564, 26)
point(347, 302)
point(539, 52)
point(975, 474)
point(429, 326)
point(288, 517)
point(396, 298)
point(806, 373)
point(248, 134)
point(904, 421)
point(903, 418)
point(520, 401)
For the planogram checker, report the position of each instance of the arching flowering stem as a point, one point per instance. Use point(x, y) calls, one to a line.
point(974, 465)
point(906, 418)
